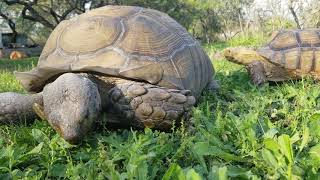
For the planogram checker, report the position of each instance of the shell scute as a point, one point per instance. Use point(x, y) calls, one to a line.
point(284, 40)
point(306, 60)
point(88, 35)
point(292, 58)
point(309, 37)
point(151, 36)
point(108, 62)
point(317, 60)
point(51, 43)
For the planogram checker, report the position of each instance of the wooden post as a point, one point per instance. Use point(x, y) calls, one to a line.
point(1, 44)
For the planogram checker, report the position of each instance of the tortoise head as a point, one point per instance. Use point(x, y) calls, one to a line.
point(71, 104)
point(241, 55)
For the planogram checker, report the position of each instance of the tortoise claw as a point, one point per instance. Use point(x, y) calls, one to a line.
point(257, 73)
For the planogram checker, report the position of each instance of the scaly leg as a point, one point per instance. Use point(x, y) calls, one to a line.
point(141, 105)
point(257, 73)
point(17, 108)
point(213, 86)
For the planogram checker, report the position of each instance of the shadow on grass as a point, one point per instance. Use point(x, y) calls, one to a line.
point(234, 80)
point(18, 65)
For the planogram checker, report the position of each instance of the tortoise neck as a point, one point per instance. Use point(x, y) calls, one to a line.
point(242, 56)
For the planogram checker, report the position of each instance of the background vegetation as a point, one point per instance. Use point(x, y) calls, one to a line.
point(241, 132)
point(207, 20)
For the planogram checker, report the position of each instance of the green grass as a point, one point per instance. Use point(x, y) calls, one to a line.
point(242, 132)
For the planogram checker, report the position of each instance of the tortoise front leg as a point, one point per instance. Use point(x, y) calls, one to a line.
point(257, 72)
point(17, 108)
point(142, 105)
point(213, 86)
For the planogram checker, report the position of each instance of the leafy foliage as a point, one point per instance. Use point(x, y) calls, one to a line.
point(205, 19)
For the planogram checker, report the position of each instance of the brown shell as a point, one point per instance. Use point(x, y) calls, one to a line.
point(296, 50)
point(123, 41)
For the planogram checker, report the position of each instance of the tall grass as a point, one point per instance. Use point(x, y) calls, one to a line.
point(249, 40)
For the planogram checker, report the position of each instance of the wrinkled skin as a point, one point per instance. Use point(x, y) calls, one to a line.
point(73, 103)
point(15, 107)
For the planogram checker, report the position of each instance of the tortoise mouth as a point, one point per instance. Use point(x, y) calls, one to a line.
point(227, 53)
point(72, 136)
point(70, 133)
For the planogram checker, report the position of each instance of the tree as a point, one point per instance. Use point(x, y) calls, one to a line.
point(203, 18)
point(213, 17)
point(8, 17)
point(232, 14)
point(49, 13)
point(310, 15)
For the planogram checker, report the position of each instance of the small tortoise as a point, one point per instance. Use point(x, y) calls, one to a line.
point(138, 66)
point(291, 54)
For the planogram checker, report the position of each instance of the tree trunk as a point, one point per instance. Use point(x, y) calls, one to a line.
point(240, 20)
point(225, 35)
point(1, 45)
point(294, 14)
point(31, 11)
point(226, 30)
point(12, 26)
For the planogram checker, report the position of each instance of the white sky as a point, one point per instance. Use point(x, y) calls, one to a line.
point(270, 7)
point(281, 4)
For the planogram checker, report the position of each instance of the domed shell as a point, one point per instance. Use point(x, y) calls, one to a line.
point(124, 41)
point(296, 50)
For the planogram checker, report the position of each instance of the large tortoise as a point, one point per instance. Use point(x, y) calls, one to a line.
point(138, 65)
point(291, 54)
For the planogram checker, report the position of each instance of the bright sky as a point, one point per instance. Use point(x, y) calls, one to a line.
point(279, 7)
point(282, 4)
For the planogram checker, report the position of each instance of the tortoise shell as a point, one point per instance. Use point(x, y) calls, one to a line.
point(123, 41)
point(295, 50)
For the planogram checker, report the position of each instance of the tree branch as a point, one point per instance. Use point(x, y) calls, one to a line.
point(32, 14)
point(11, 24)
point(294, 14)
point(36, 17)
point(54, 15)
point(67, 12)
